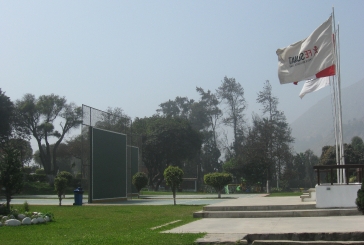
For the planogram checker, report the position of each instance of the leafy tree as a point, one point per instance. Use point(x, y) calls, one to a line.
point(11, 174)
point(166, 141)
point(358, 147)
point(232, 93)
point(60, 186)
point(67, 175)
point(6, 116)
point(38, 116)
point(114, 120)
point(328, 155)
point(173, 176)
point(180, 107)
point(210, 151)
point(25, 149)
point(360, 198)
point(139, 180)
point(277, 134)
point(218, 181)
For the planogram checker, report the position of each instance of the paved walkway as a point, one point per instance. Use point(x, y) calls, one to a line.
point(233, 229)
point(144, 200)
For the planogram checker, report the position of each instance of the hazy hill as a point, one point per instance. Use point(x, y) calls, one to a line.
point(314, 129)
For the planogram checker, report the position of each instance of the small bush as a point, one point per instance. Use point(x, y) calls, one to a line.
point(40, 171)
point(67, 175)
point(360, 199)
point(27, 170)
point(60, 185)
point(37, 177)
point(26, 206)
point(139, 180)
point(217, 181)
point(173, 177)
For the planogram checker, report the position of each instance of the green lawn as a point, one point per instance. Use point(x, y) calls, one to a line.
point(104, 225)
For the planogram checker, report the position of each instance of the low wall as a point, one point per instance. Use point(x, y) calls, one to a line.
point(337, 195)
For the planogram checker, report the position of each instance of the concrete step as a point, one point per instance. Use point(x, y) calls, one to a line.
point(259, 208)
point(347, 238)
point(276, 213)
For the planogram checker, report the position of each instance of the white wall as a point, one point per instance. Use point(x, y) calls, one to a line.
point(336, 196)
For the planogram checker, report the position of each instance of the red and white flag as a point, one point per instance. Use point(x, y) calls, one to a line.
point(314, 85)
point(313, 57)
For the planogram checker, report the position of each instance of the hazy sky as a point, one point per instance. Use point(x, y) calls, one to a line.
point(138, 54)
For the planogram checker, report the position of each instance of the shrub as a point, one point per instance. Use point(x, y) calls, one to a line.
point(37, 177)
point(26, 206)
point(27, 170)
point(173, 177)
point(360, 199)
point(139, 180)
point(60, 185)
point(40, 171)
point(67, 175)
point(217, 181)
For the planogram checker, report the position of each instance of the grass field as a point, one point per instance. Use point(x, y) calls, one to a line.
point(104, 225)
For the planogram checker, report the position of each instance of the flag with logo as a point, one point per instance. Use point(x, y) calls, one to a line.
point(314, 85)
point(313, 57)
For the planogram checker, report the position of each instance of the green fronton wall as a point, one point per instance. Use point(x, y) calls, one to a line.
point(134, 164)
point(108, 164)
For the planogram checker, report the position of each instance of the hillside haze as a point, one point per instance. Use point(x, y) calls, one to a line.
point(315, 128)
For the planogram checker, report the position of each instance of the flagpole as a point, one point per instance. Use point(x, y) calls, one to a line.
point(336, 105)
point(342, 159)
point(338, 110)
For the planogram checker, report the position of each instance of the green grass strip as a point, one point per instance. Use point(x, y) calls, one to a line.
point(105, 225)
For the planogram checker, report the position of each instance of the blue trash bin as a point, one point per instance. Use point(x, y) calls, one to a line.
point(78, 196)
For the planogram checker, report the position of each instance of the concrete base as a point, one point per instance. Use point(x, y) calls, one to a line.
point(309, 196)
point(337, 195)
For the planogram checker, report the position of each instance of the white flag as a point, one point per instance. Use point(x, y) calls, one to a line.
point(310, 58)
point(314, 85)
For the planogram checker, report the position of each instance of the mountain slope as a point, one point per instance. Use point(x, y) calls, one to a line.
point(315, 128)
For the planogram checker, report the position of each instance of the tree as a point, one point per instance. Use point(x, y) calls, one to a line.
point(24, 148)
point(232, 93)
point(38, 117)
point(218, 181)
point(6, 116)
point(358, 147)
point(60, 186)
point(360, 198)
point(278, 132)
point(67, 175)
point(139, 180)
point(166, 141)
point(11, 174)
point(173, 176)
point(210, 151)
point(114, 120)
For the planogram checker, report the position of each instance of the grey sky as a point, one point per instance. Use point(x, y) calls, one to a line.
point(138, 54)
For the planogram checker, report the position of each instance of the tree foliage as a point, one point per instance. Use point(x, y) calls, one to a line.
point(67, 175)
point(140, 180)
point(217, 181)
point(6, 116)
point(360, 198)
point(60, 186)
point(232, 93)
point(173, 176)
point(38, 117)
point(166, 141)
point(11, 174)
